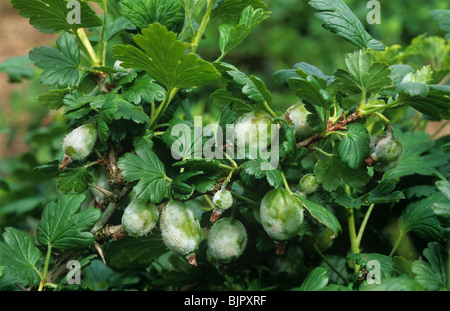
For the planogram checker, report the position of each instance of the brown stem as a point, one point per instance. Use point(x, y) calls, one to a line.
point(340, 125)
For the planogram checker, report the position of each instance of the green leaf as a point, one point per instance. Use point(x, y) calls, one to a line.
point(386, 263)
point(145, 89)
point(63, 227)
point(142, 13)
point(128, 111)
point(311, 89)
point(420, 218)
point(362, 75)
point(53, 98)
point(443, 18)
point(74, 178)
point(435, 104)
point(253, 87)
point(51, 16)
point(17, 68)
point(382, 193)
point(433, 275)
point(419, 155)
point(354, 147)
point(20, 256)
point(134, 251)
point(258, 168)
point(315, 281)
point(339, 19)
point(145, 167)
point(321, 214)
point(393, 285)
point(331, 171)
point(60, 64)
point(229, 9)
point(165, 59)
point(231, 35)
point(282, 76)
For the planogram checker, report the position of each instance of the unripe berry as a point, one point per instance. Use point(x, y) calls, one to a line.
point(227, 240)
point(139, 217)
point(251, 128)
point(78, 144)
point(308, 184)
point(281, 214)
point(222, 201)
point(180, 229)
point(296, 116)
point(385, 151)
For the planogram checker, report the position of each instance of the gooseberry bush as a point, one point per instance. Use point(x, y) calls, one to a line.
point(332, 191)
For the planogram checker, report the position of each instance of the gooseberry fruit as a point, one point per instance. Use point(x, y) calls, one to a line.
point(296, 116)
point(78, 144)
point(281, 216)
point(139, 217)
point(308, 184)
point(227, 240)
point(385, 151)
point(180, 229)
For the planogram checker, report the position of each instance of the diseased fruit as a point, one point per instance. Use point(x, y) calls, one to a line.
point(281, 215)
point(78, 144)
point(296, 116)
point(249, 131)
point(227, 240)
point(139, 217)
point(180, 229)
point(385, 152)
point(308, 184)
point(222, 201)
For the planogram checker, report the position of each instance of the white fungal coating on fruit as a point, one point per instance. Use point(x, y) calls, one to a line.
point(101, 179)
point(385, 151)
point(180, 229)
point(281, 214)
point(296, 116)
point(139, 217)
point(249, 131)
point(227, 240)
point(223, 199)
point(308, 184)
point(79, 143)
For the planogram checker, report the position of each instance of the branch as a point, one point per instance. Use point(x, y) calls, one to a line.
point(340, 125)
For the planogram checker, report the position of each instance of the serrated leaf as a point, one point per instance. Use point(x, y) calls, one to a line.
point(362, 75)
point(145, 167)
point(231, 35)
point(321, 214)
point(51, 16)
point(258, 169)
point(420, 218)
point(60, 64)
point(17, 68)
point(433, 275)
point(74, 178)
point(311, 89)
point(229, 9)
point(443, 18)
point(316, 280)
point(142, 13)
point(435, 104)
point(282, 76)
point(63, 227)
point(354, 147)
point(20, 256)
point(145, 89)
point(418, 156)
point(165, 59)
point(53, 98)
point(331, 171)
point(339, 19)
point(252, 86)
point(128, 111)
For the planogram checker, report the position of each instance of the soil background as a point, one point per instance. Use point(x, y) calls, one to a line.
point(17, 38)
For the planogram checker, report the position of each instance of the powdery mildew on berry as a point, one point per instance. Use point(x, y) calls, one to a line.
point(223, 199)
point(181, 231)
point(139, 218)
point(308, 184)
point(296, 116)
point(281, 214)
point(79, 143)
point(227, 240)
